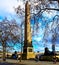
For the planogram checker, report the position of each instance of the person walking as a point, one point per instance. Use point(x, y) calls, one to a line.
point(54, 59)
point(37, 58)
point(19, 58)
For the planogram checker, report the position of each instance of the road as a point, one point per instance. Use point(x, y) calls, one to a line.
point(27, 62)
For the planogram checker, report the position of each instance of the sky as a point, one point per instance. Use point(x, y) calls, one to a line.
point(7, 10)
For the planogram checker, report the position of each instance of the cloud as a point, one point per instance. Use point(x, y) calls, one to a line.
point(7, 5)
point(7, 9)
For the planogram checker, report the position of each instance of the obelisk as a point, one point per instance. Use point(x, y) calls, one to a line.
point(28, 48)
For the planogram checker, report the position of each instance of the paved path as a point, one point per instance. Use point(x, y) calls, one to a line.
point(26, 62)
point(38, 63)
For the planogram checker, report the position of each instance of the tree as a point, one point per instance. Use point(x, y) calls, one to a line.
point(9, 33)
point(52, 32)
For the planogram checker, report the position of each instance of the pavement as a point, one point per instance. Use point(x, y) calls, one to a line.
point(26, 62)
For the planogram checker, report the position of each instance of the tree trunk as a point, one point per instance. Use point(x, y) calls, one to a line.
point(4, 51)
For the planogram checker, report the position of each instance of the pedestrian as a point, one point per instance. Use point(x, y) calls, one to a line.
point(19, 58)
point(37, 58)
point(54, 59)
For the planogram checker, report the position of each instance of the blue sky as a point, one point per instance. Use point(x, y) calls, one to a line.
point(7, 10)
